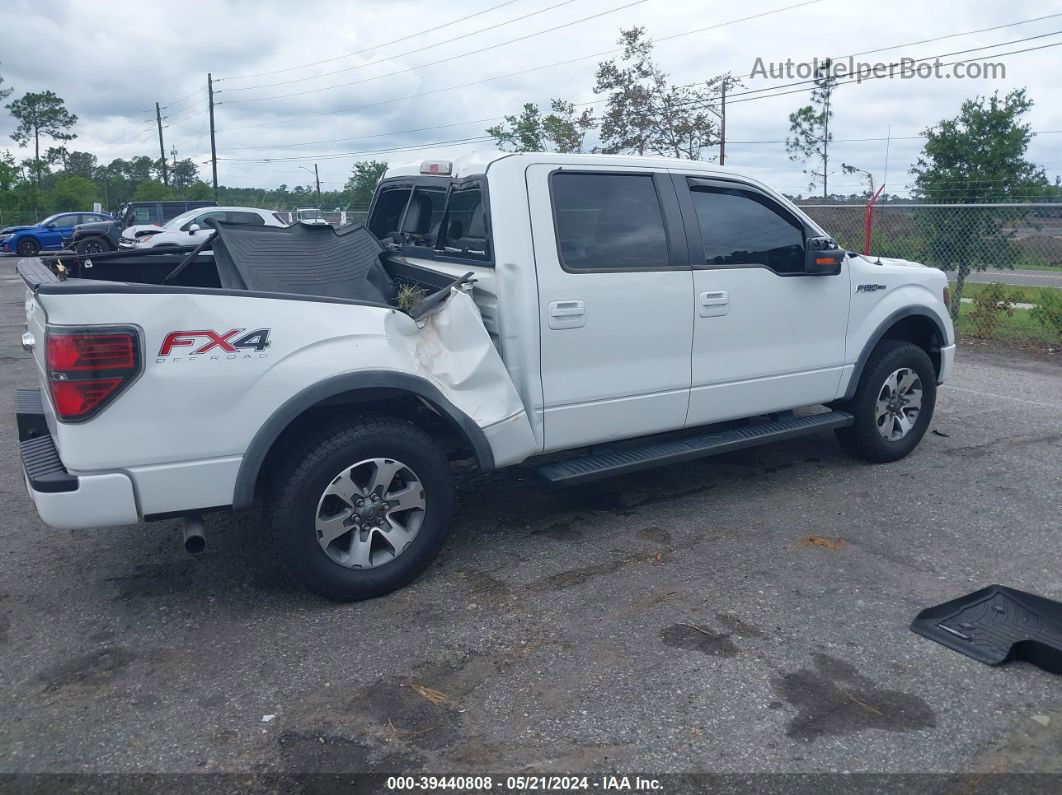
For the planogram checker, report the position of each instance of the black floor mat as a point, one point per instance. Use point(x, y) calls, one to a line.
point(998, 624)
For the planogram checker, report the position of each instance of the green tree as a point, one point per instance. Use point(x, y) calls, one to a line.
point(152, 190)
point(809, 129)
point(41, 114)
point(185, 174)
point(199, 191)
point(559, 131)
point(646, 114)
point(362, 182)
point(73, 193)
point(976, 157)
point(81, 164)
point(4, 92)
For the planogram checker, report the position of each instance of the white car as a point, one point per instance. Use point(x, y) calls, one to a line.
point(593, 304)
point(190, 229)
point(308, 215)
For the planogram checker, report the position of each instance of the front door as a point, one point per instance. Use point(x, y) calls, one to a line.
point(615, 290)
point(766, 337)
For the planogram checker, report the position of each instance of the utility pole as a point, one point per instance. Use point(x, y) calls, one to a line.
point(162, 147)
point(317, 178)
point(722, 123)
point(213, 146)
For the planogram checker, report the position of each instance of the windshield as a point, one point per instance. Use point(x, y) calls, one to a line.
point(183, 218)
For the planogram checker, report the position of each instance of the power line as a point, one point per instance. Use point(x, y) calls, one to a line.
point(582, 104)
point(441, 60)
point(394, 56)
point(336, 155)
point(734, 98)
point(522, 71)
point(405, 37)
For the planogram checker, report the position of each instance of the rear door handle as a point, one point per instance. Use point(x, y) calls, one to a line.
point(567, 314)
point(713, 303)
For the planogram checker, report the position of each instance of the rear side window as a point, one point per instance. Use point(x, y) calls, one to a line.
point(387, 212)
point(741, 227)
point(237, 217)
point(170, 211)
point(464, 232)
point(608, 222)
point(200, 220)
point(144, 215)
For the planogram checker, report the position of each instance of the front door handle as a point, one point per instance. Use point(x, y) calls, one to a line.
point(567, 314)
point(713, 303)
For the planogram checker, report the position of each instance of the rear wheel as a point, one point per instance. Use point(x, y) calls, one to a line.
point(92, 245)
point(361, 508)
point(893, 404)
point(28, 247)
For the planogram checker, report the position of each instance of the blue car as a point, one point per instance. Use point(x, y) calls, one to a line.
point(53, 233)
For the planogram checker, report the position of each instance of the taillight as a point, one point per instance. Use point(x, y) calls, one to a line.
point(89, 367)
point(947, 297)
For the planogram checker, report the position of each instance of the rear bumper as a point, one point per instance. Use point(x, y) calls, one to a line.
point(62, 499)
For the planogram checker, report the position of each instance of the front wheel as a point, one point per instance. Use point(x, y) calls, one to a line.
point(28, 247)
point(893, 403)
point(361, 508)
point(91, 246)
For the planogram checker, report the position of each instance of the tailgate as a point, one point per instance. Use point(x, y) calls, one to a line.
point(34, 273)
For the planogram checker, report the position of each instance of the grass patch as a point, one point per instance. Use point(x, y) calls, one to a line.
point(1019, 295)
point(1022, 329)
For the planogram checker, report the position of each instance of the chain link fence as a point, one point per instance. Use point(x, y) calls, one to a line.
point(972, 237)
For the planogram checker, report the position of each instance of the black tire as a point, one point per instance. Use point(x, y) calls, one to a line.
point(298, 485)
point(90, 246)
point(863, 439)
point(28, 247)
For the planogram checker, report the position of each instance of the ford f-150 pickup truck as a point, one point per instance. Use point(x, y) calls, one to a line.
point(589, 315)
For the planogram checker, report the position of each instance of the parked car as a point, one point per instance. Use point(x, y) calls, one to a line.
point(99, 238)
point(308, 215)
point(54, 232)
point(190, 228)
point(628, 312)
point(157, 213)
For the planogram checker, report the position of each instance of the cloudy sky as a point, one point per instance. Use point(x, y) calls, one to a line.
point(332, 82)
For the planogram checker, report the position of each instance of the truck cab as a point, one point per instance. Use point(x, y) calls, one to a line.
point(670, 294)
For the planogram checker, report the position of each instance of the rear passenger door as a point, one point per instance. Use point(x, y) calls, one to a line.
point(767, 337)
point(615, 303)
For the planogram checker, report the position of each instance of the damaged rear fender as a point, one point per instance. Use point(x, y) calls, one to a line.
point(448, 360)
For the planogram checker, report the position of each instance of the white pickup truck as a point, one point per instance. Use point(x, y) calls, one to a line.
point(590, 315)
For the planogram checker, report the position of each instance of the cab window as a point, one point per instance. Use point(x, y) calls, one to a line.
point(420, 226)
point(387, 212)
point(608, 221)
point(464, 224)
point(743, 228)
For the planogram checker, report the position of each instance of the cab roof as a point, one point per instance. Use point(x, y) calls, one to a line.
point(477, 162)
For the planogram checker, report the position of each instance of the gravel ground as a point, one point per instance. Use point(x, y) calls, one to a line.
point(671, 621)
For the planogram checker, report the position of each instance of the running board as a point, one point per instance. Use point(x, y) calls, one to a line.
point(674, 451)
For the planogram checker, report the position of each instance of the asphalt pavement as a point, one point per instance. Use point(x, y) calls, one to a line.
point(1018, 277)
point(747, 613)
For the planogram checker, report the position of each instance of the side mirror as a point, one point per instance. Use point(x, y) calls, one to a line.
point(822, 257)
point(49, 226)
point(193, 229)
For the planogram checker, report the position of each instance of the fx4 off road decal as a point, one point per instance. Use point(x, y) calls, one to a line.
point(212, 345)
